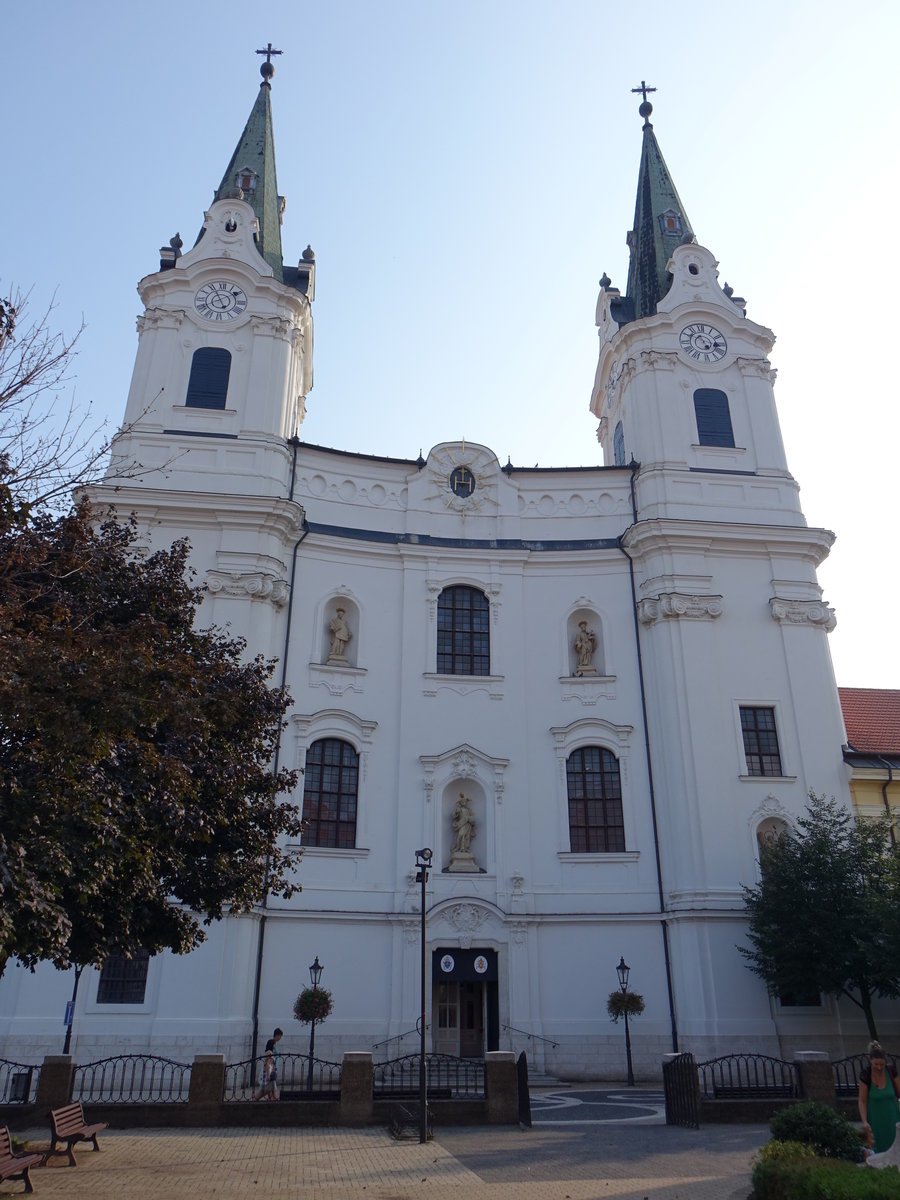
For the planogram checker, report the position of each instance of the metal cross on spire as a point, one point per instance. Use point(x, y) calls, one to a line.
point(646, 107)
point(267, 70)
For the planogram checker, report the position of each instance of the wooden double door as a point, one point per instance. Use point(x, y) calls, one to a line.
point(460, 1019)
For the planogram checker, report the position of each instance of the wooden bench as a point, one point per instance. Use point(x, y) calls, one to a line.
point(16, 1166)
point(68, 1125)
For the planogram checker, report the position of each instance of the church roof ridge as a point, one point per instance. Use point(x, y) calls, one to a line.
point(660, 223)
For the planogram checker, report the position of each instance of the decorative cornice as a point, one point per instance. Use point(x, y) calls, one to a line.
point(676, 604)
point(760, 367)
point(160, 318)
point(803, 612)
point(248, 585)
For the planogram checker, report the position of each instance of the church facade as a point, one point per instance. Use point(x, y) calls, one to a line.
point(590, 692)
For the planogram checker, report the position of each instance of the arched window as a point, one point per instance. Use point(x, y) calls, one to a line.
point(463, 640)
point(331, 785)
point(208, 384)
point(595, 801)
point(713, 418)
point(619, 446)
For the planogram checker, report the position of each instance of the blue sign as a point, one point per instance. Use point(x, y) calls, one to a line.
point(70, 1013)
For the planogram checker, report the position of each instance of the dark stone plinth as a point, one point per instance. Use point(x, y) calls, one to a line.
point(55, 1084)
point(501, 1087)
point(357, 1080)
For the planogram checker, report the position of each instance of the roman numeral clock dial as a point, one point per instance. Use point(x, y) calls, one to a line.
point(703, 343)
point(220, 300)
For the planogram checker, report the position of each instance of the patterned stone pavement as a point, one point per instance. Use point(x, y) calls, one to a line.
point(627, 1156)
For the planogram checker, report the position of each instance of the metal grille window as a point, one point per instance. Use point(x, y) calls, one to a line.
point(619, 445)
point(208, 384)
point(124, 980)
point(463, 639)
point(760, 741)
point(594, 789)
point(713, 418)
point(330, 794)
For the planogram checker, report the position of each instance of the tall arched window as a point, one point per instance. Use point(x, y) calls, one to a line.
point(331, 786)
point(595, 801)
point(463, 640)
point(208, 384)
point(619, 445)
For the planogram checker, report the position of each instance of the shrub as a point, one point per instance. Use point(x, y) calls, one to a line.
point(620, 1003)
point(817, 1125)
point(774, 1151)
point(821, 1179)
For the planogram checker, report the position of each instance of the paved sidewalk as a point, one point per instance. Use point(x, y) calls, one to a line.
point(601, 1162)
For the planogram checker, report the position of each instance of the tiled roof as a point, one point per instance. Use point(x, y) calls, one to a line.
point(872, 718)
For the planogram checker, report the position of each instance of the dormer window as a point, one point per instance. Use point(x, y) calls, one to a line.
point(247, 180)
point(670, 222)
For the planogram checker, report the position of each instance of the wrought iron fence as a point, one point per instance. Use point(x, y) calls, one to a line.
point(446, 1076)
point(846, 1072)
point(242, 1079)
point(18, 1082)
point(735, 1075)
point(681, 1091)
point(133, 1079)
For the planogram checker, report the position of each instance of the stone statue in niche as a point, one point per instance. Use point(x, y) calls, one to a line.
point(461, 856)
point(585, 647)
point(340, 636)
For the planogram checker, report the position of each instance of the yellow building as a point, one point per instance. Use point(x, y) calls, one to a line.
point(872, 753)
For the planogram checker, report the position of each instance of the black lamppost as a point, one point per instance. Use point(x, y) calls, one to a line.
point(623, 971)
point(315, 974)
point(423, 862)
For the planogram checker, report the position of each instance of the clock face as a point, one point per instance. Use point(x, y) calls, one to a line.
point(703, 343)
point(220, 300)
point(462, 482)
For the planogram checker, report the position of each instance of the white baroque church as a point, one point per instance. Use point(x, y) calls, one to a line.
point(590, 691)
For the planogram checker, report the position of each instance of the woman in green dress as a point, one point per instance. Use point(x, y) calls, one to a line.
point(878, 1092)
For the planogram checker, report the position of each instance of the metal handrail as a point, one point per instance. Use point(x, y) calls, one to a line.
point(398, 1037)
point(458, 1076)
point(535, 1037)
point(242, 1079)
point(748, 1073)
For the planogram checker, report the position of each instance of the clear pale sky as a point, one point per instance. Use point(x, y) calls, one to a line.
point(465, 172)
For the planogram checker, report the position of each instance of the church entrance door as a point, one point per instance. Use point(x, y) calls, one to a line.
point(465, 1009)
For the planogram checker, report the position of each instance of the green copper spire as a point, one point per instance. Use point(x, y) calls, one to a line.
point(660, 223)
point(252, 169)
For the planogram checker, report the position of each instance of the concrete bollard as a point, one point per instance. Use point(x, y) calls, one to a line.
point(357, 1082)
point(55, 1084)
point(207, 1081)
point(816, 1076)
point(501, 1086)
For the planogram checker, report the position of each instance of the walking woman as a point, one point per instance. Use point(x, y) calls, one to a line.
point(878, 1092)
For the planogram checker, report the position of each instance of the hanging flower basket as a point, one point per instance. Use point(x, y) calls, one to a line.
point(313, 1004)
point(620, 1003)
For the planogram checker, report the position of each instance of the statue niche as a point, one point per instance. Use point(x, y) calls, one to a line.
point(339, 636)
point(585, 645)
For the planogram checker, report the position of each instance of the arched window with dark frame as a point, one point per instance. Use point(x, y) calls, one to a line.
point(463, 637)
point(330, 793)
point(594, 788)
point(208, 384)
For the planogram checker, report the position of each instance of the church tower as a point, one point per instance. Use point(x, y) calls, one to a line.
point(218, 393)
point(224, 360)
point(743, 717)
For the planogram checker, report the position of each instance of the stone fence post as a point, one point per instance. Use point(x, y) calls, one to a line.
point(207, 1084)
point(55, 1083)
point(816, 1076)
point(501, 1087)
point(357, 1084)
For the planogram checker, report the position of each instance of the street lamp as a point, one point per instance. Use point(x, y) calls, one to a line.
point(315, 974)
point(423, 862)
point(623, 971)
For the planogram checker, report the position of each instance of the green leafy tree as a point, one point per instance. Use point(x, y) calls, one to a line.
point(825, 916)
point(137, 802)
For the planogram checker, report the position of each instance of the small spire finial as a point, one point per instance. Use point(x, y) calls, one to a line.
point(267, 70)
point(646, 107)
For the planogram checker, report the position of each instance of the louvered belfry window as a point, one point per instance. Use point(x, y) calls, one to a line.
point(208, 384)
point(713, 418)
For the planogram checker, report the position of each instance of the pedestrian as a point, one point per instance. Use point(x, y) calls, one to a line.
point(878, 1093)
point(268, 1079)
